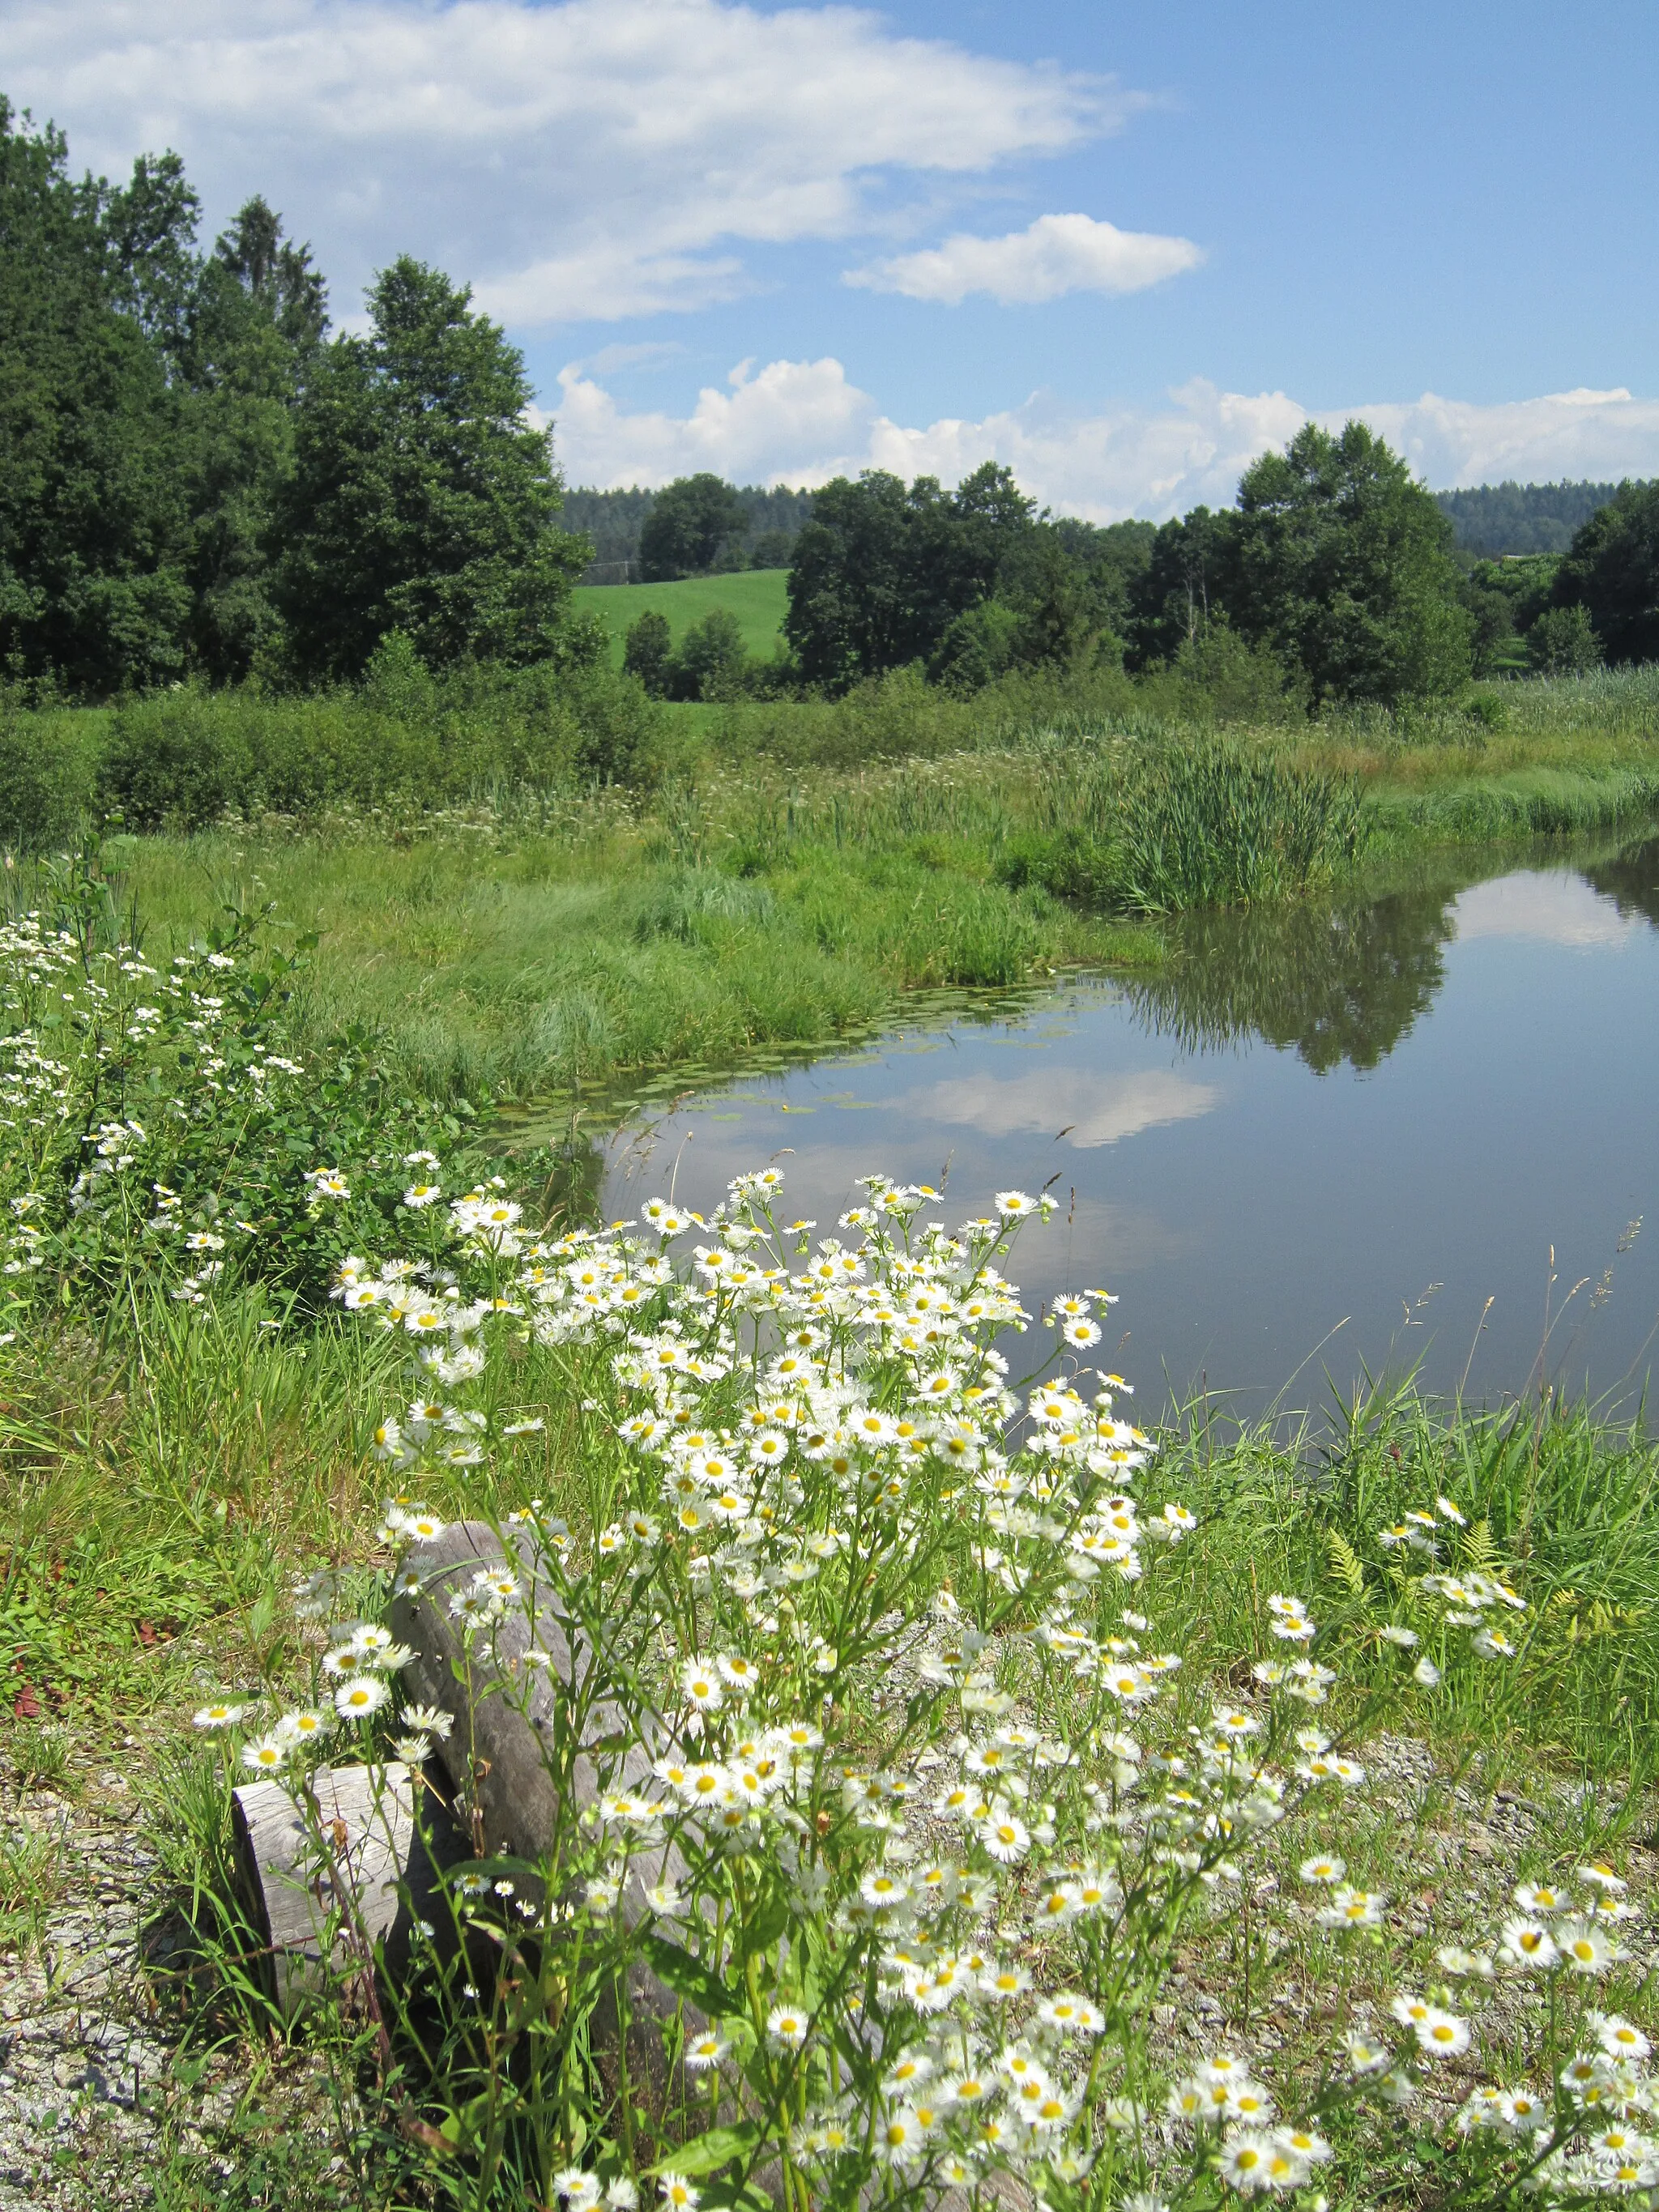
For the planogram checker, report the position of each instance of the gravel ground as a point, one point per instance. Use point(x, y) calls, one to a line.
point(95, 2112)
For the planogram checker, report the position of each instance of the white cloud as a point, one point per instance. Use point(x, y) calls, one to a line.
point(803, 422)
point(798, 420)
point(1601, 435)
point(1550, 905)
point(1054, 255)
point(1088, 1108)
point(595, 158)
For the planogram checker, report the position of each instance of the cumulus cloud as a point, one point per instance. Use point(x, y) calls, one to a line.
point(592, 159)
point(1054, 255)
point(803, 422)
point(1088, 1107)
point(1601, 435)
point(1551, 905)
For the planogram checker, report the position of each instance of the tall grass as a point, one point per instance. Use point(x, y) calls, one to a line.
point(1528, 802)
point(1154, 830)
point(404, 739)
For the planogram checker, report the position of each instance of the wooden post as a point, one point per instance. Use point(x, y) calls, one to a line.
point(494, 1753)
point(367, 1816)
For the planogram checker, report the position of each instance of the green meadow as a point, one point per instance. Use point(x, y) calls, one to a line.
point(757, 597)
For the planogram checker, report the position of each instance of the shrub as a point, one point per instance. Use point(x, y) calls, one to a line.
point(647, 650)
point(180, 755)
point(712, 659)
point(188, 757)
point(47, 771)
point(1562, 642)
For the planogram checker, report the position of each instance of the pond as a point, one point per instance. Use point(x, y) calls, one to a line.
point(1411, 1126)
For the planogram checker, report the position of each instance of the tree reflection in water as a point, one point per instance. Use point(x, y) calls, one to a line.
point(1343, 979)
point(1630, 879)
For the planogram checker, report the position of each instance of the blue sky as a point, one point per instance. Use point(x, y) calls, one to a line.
point(1123, 247)
point(1390, 200)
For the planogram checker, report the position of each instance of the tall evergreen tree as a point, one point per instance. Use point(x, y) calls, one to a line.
point(421, 500)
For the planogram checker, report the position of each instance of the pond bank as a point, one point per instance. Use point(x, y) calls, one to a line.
point(569, 947)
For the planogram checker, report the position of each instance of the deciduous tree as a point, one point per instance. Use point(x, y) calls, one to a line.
point(1340, 561)
point(692, 524)
point(1611, 571)
point(421, 498)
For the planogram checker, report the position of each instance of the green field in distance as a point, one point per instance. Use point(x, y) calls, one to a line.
point(757, 597)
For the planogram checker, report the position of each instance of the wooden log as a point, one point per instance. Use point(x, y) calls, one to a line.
point(391, 1878)
point(494, 1752)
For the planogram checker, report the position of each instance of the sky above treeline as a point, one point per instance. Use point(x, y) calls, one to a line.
point(1121, 248)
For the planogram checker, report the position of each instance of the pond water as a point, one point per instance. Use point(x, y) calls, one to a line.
point(1332, 1141)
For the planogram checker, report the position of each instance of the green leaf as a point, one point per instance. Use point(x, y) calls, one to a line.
point(726, 2197)
point(705, 2153)
point(689, 1978)
point(762, 1931)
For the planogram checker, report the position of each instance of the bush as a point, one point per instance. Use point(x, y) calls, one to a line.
point(713, 661)
point(188, 757)
point(1562, 642)
point(979, 645)
point(180, 757)
point(648, 651)
point(47, 768)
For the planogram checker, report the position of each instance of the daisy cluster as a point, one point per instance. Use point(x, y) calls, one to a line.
point(831, 1488)
point(352, 1686)
point(83, 1027)
point(1443, 1603)
point(917, 1796)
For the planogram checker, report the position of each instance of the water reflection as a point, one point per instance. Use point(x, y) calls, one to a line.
point(1630, 878)
point(1086, 1106)
point(1392, 1115)
point(1337, 983)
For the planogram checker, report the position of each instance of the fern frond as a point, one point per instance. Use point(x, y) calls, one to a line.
point(1345, 1564)
point(1478, 1550)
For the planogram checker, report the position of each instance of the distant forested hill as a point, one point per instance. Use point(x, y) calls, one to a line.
point(614, 520)
point(1514, 518)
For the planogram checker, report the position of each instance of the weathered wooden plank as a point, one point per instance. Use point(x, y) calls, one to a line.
point(506, 1712)
point(367, 1824)
point(517, 1711)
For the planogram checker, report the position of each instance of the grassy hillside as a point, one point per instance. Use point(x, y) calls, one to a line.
point(756, 597)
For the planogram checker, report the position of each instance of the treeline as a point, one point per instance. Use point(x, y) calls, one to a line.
point(757, 525)
point(699, 526)
point(197, 479)
point(1335, 577)
point(1495, 520)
